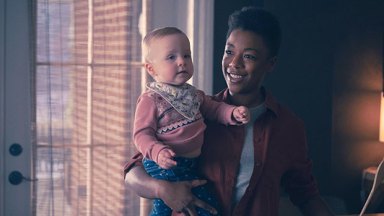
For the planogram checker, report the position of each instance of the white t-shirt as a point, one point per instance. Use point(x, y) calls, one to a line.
point(247, 157)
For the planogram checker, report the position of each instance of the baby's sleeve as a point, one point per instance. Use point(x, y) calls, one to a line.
point(145, 126)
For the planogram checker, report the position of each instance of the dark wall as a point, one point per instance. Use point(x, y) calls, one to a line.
point(357, 81)
point(329, 73)
point(303, 76)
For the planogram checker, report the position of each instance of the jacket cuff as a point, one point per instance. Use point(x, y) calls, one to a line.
point(136, 160)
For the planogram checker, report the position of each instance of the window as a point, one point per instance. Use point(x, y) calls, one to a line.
point(88, 77)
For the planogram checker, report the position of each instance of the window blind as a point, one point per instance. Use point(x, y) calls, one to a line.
point(88, 77)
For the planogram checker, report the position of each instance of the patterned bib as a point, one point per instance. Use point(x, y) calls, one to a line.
point(183, 98)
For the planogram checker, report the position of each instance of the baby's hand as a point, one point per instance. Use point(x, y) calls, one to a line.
point(165, 158)
point(241, 114)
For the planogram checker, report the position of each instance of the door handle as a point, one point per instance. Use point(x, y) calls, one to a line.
point(15, 178)
point(15, 149)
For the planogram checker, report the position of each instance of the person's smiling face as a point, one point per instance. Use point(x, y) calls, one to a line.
point(245, 62)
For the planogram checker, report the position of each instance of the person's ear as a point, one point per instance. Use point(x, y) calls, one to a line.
point(272, 63)
point(149, 68)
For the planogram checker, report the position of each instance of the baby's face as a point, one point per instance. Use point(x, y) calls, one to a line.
point(170, 59)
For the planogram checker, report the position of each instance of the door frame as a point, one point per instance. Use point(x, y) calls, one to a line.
point(199, 30)
point(16, 104)
point(2, 112)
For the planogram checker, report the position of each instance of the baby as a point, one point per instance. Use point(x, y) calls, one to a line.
point(169, 120)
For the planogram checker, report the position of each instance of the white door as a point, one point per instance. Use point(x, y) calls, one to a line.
point(15, 108)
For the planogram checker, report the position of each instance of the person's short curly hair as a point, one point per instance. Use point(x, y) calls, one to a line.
point(259, 21)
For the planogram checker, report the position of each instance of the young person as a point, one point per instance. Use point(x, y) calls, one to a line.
point(246, 164)
point(169, 125)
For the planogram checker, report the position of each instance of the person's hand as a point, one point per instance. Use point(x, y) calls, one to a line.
point(178, 196)
point(165, 158)
point(241, 114)
point(190, 210)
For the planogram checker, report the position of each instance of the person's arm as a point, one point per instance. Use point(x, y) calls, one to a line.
point(299, 182)
point(316, 207)
point(177, 195)
point(304, 193)
point(216, 111)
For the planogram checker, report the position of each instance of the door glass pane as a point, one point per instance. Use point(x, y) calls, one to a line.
point(88, 78)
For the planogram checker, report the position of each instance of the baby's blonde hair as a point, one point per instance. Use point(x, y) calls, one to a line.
point(156, 34)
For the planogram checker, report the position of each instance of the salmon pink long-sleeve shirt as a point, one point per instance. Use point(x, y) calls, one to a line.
point(159, 125)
